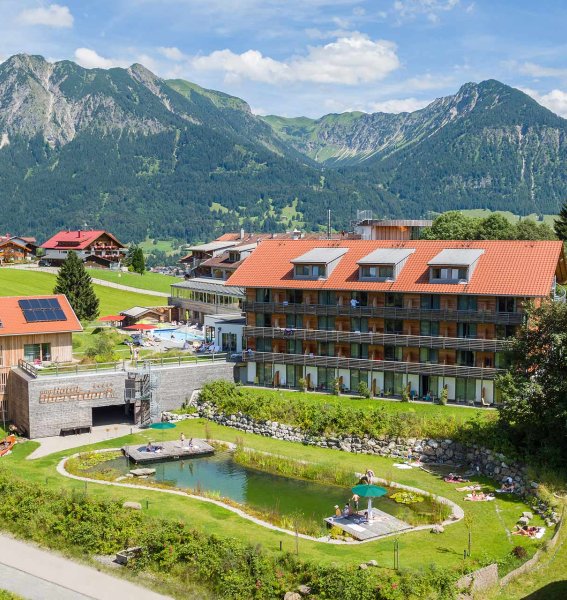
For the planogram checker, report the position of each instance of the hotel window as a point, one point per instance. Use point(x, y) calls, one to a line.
point(506, 304)
point(394, 326)
point(326, 323)
point(264, 344)
point(37, 352)
point(448, 274)
point(263, 295)
point(294, 321)
point(325, 349)
point(310, 271)
point(359, 324)
point(465, 358)
point(359, 350)
point(327, 298)
point(377, 272)
point(465, 389)
point(466, 330)
point(361, 298)
point(394, 300)
point(428, 355)
point(430, 302)
point(294, 347)
point(430, 328)
point(393, 353)
point(467, 303)
point(393, 383)
point(505, 331)
point(295, 296)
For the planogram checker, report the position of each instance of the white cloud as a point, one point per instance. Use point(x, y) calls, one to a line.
point(398, 105)
point(52, 15)
point(409, 9)
point(349, 60)
point(556, 100)
point(92, 60)
point(172, 53)
point(535, 70)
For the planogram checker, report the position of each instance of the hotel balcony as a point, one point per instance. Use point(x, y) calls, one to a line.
point(334, 362)
point(468, 316)
point(378, 339)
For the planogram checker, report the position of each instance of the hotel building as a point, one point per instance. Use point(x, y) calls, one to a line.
point(412, 314)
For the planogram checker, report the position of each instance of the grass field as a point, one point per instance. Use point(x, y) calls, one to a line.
point(24, 282)
point(489, 520)
point(163, 245)
point(427, 411)
point(152, 282)
point(483, 213)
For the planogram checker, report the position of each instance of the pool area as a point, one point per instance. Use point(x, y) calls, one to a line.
point(265, 493)
point(180, 334)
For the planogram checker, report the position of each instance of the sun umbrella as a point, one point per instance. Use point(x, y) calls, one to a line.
point(162, 426)
point(367, 490)
point(141, 327)
point(111, 318)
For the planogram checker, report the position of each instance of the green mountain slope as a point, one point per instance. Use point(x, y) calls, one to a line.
point(121, 149)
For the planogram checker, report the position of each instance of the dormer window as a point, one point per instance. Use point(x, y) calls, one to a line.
point(233, 257)
point(454, 265)
point(317, 263)
point(384, 264)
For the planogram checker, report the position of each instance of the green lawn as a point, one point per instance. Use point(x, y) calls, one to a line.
point(24, 282)
point(427, 411)
point(149, 281)
point(162, 245)
point(490, 520)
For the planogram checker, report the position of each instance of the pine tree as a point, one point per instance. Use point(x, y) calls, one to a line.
point(74, 281)
point(561, 224)
point(138, 262)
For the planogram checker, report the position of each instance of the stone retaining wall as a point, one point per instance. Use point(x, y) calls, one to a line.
point(487, 462)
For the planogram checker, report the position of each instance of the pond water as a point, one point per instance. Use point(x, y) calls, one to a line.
point(263, 491)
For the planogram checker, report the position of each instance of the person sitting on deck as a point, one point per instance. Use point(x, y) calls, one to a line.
point(346, 510)
point(337, 511)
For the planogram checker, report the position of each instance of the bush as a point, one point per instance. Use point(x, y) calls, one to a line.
point(337, 419)
point(363, 389)
point(520, 552)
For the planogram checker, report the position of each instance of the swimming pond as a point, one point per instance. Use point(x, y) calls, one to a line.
point(266, 493)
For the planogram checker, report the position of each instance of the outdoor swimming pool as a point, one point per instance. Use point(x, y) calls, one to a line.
point(180, 334)
point(263, 492)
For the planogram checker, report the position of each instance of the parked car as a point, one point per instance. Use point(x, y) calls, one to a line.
point(44, 263)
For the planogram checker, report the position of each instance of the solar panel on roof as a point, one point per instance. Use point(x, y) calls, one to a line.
point(42, 309)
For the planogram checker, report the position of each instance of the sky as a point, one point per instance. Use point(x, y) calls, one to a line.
point(309, 57)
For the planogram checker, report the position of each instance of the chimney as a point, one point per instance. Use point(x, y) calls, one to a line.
point(79, 233)
point(242, 233)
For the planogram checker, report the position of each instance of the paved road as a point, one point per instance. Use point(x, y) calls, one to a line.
point(37, 574)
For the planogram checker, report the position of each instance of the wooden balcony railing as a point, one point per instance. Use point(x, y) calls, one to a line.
point(387, 312)
point(378, 339)
point(336, 362)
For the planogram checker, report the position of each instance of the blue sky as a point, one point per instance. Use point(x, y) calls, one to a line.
point(309, 57)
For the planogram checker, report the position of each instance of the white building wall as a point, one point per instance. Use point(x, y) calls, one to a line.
point(488, 390)
point(345, 374)
point(282, 371)
point(413, 380)
point(313, 372)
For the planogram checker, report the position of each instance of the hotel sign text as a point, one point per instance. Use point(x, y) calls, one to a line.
point(74, 392)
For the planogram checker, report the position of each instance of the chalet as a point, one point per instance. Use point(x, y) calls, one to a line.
point(36, 330)
point(95, 248)
point(15, 249)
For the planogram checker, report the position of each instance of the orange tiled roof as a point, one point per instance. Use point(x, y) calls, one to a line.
point(506, 268)
point(14, 322)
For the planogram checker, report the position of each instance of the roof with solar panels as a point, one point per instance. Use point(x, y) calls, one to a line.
point(27, 315)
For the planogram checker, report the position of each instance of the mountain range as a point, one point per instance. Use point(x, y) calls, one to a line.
point(125, 150)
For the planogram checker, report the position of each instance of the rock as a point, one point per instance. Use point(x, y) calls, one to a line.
point(304, 590)
point(523, 520)
point(534, 485)
point(292, 596)
point(372, 563)
point(528, 515)
point(437, 529)
point(132, 505)
point(363, 566)
point(142, 472)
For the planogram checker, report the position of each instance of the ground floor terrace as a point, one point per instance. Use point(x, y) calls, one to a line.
point(384, 378)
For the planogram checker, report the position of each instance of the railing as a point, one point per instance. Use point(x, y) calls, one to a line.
point(389, 312)
point(204, 307)
point(4, 371)
point(372, 365)
point(169, 361)
point(379, 339)
point(27, 367)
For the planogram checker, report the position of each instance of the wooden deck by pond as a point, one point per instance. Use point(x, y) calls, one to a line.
point(358, 526)
point(171, 450)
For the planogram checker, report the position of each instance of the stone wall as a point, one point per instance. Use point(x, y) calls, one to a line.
point(486, 462)
point(45, 405)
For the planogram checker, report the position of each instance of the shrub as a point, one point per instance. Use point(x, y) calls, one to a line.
point(444, 396)
point(520, 552)
point(302, 383)
point(363, 389)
